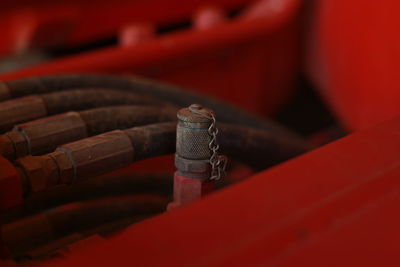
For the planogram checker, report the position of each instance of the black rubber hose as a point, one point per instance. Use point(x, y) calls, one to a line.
point(102, 186)
point(44, 135)
point(259, 149)
point(33, 107)
point(79, 99)
point(102, 120)
point(256, 148)
point(153, 140)
point(225, 112)
point(37, 230)
point(106, 152)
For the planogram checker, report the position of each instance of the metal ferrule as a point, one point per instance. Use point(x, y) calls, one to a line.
point(192, 142)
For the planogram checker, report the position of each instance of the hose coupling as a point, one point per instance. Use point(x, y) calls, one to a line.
point(197, 159)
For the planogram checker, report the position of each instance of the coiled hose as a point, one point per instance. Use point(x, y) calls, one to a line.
point(225, 112)
point(112, 150)
point(44, 135)
point(24, 235)
point(92, 142)
point(41, 105)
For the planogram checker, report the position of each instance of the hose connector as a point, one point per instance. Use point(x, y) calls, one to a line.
point(197, 159)
point(192, 142)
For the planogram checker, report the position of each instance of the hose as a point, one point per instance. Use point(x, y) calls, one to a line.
point(256, 148)
point(44, 135)
point(102, 120)
point(103, 186)
point(53, 224)
point(37, 106)
point(109, 151)
point(225, 112)
point(88, 98)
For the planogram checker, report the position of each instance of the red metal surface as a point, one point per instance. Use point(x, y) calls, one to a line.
point(46, 23)
point(187, 189)
point(10, 185)
point(10, 193)
point(335, 206)
point(291, 215)
point(251, 61)
point(354, 55)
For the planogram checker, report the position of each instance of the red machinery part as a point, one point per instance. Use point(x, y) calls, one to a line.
point(251, 61)
point(42, 24)
point(345, 205)
point(353, 57)
point(10, 185)
point(335, 206)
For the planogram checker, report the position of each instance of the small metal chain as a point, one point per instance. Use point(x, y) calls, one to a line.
point(218, 161)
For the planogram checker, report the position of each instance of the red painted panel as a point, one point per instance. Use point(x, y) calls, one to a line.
point(354, 57)
point(251, 61)
point(273, 217)
point(33, 24)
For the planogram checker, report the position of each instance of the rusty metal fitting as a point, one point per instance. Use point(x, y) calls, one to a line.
point(44, 135)
point(193, 154)
point(66, 170)
point(40, 172)
point(6, 147)
point(99, 154)
point(4, 91)
point(19, 143)
point(20, 110)
point(192, 141)
point(193, 168)
point(81, 159)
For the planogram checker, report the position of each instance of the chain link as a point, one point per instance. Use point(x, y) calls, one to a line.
point(217, 161)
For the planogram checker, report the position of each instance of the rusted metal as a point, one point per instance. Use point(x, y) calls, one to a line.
point(40, 135)
point(193, 153)
point(28, 108)
point(153, 140)
point(101, 120)
point(44, 135)
point(194, 168)
point(81, 159)
point(66, 170)
point(22, 110)
point(106, 152)
point(40, 174)
point(192, 142)
point(99, 154)
point(7, 149)
point(19, 143)
point(191, 127)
